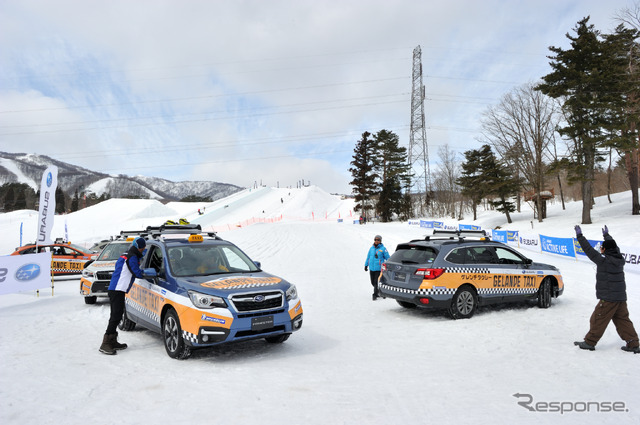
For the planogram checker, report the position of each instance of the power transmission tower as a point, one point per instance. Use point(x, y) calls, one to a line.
point(418, 149)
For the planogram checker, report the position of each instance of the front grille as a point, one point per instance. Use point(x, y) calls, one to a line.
point(99, 287)
point(257, 301)
point(104, 275)
point(241, 334)
point(261, 313)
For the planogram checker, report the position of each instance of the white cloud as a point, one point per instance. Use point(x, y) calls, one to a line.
point(163, 86)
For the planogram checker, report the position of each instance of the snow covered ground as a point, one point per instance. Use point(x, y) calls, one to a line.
point(353, 362)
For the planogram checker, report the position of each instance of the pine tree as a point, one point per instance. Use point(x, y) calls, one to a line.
point(75, 201)
point(578, 78)
point(60, 207)
point(394, 172)
point(363, 168)
point(472, 179)
point(21, 200)
point(9, 199)
point(623, 103)
point(501, 184)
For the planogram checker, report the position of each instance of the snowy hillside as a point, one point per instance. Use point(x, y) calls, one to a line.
point(28, 169)
point(353, 362)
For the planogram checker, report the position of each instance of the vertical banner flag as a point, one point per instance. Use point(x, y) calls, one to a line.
point(47, 205)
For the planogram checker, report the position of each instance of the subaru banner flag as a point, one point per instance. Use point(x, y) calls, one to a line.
point(559, 246)
point(578, 248)
point(24, 272)
point(463, 227)
point(499, 235)
point(47, 205)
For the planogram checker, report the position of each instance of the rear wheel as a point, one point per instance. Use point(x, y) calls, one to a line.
point(126, 324)
point(172, 336)
point(90, 300)
point(405, 304)
point(544, 293)
point(464, 303)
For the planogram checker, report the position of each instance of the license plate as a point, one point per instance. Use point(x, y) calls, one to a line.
point(260, 323)
point(401, 276)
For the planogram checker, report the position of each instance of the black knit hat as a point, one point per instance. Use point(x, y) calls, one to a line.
point(609, 244)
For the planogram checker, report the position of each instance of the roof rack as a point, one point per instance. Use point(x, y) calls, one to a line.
point(178, 229)
point(124, 234)
point(456, 234)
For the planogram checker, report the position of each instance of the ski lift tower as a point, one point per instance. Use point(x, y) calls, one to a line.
point(418, 149)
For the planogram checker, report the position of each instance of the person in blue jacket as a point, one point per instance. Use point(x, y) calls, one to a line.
point(127, 269)
point(377, 255)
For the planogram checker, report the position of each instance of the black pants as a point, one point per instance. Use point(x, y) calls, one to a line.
point(117, 310)
point(374, 275)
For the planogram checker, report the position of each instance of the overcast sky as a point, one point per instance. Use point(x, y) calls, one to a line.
point(272, 92)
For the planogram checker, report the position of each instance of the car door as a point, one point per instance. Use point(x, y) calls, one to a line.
point(146, 297)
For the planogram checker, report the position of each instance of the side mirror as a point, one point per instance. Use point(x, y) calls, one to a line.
point(258, 265)
point(528, 261)
point(149, 273)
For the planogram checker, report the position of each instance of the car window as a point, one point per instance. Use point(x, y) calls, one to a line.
point(506, 256)
point(460, 256)
point(113, 251)
point(155, 260)
point(483, 255)
point(413, 254)
point(31, 250)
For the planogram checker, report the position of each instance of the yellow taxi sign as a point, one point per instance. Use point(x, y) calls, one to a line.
point(130, 239)
point(195, 238)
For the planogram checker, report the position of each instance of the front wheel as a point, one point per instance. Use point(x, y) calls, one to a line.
point(464, 303)
point(172, 336)
point(544, 293)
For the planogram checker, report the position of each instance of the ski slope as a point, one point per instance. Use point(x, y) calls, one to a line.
point(353, 362)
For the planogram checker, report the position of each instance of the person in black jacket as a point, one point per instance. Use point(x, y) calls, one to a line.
point(611, 293)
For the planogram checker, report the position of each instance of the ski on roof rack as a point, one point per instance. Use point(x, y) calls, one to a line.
point(175, 228)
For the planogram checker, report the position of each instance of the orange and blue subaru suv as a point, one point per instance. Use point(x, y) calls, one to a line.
point(458, 271)
point(199, 291)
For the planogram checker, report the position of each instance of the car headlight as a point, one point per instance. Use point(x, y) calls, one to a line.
point(292, 293)
point(201, 300)
point(88, 274)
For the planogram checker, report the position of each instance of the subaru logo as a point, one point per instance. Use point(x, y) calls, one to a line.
point(28, 272)
point(258, 298)
point(49, 179)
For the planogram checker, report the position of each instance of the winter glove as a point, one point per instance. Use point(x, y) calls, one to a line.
point(366, 268)
point(578, 230)
point(605, 230)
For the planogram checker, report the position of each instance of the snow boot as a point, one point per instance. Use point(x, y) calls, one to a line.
point(115, 344)
point(634, 350)
point(107, 345)
point(584, 346)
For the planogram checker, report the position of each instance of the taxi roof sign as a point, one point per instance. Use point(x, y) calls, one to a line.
point(195, 238)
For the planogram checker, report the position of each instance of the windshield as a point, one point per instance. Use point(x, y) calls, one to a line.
point(204, 260)
point(113, 251)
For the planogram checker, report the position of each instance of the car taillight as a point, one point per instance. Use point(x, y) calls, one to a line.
point(428, 274)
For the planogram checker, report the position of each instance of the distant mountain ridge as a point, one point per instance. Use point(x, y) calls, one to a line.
point(28, 169)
